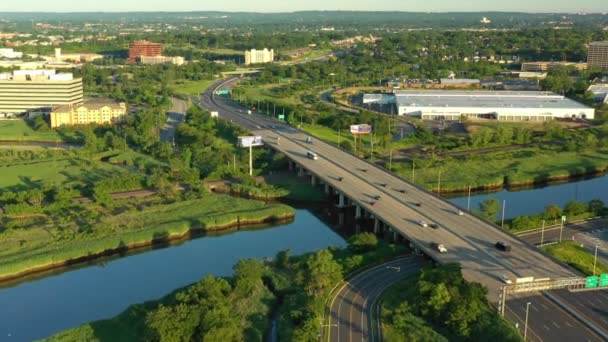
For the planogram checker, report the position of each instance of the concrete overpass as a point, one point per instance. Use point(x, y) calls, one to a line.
point(469, 240)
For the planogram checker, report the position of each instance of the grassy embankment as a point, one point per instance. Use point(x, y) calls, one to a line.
point(576, 256)
point(191, 87)
point(513, 168)
point(299, 188)
point(18, 130)
point(43, 247)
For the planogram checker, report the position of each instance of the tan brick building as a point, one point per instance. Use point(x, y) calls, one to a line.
point(99, 112)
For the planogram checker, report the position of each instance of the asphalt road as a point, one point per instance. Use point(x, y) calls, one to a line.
point(546, 321)
point(352, 308)
point(469, 240)
point(175, 116)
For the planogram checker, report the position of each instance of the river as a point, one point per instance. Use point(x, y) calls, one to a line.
point(534, 201)
point(41, 307)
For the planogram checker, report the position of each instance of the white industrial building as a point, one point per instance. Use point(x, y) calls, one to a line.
point(500, 105)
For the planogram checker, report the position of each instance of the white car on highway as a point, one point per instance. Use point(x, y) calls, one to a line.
point(504, 279)
point(439, 247)
point(459, 212)
point(422, 223)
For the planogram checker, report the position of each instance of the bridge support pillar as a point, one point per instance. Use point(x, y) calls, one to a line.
point(357, 212)
point(395, 236)
point(341, 219)
point(376, 226)
point(327, 189)
point(313, 180)
point(341, 199)
point(301, 172)
point(290, 165)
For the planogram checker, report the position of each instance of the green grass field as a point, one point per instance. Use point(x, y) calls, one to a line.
point(574, 255)
point(191, 87)
point(67, 171)
point(504, 168)
point(39, 246)
point(20, 131)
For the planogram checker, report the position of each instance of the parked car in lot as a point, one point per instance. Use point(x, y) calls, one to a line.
point(503, 246)
point(422, 223)
point(439, 247)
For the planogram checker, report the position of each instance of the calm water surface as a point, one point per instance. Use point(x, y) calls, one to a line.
point(42, 307)
point(533, 201)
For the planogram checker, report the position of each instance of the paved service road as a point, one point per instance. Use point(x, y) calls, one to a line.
point(354, 305)
point(468, 239)
point(175, 116)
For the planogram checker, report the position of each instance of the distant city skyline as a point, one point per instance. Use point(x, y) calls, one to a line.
point(290, 6)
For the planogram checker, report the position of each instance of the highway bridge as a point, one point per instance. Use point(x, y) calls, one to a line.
point(397, 205)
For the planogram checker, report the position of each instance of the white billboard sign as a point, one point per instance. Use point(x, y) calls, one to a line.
point(360, 129)
point(250, 141)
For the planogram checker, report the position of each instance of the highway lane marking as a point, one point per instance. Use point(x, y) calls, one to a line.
point(383, 275)
point(393, 278)
point(356, 276)
point(522, 322)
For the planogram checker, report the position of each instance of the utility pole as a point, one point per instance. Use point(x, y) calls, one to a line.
point(390, 160)
point(526, 323)
point(250, 160)
point(439, 183)
point(561, 230)
point(502, 222)
point(469, 199)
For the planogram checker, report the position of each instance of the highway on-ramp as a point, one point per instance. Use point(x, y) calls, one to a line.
point(352, 308)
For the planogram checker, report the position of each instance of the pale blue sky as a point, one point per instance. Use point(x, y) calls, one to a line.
point(298, 5)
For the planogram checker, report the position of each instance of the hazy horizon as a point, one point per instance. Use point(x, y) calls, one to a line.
point(283, 6)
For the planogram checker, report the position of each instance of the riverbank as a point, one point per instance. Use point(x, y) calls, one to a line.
point(508, 169)
point(34, 250)
point(246, 301)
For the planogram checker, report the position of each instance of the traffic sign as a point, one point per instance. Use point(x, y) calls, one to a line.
point(591, 282)
point(281, 117)
point(563, 218)
point(604, 280)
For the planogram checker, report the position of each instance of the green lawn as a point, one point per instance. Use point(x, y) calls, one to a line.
point(19, 130)
point(574, 255)
point(191, 87)
point(299, 188)
point(503, 168)
point(261, 93)
point(56, 242)
point(62, 170)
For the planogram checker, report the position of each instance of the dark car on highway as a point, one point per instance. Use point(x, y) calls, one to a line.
point(503, 246)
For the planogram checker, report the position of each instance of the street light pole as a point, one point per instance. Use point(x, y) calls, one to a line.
point(502, 221)
point(439, 183)
point(561, 230)
point(526, 323)
point(595, 260)
point(542, 233)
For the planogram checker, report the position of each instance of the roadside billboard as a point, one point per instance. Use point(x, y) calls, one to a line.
point(214, 114)
point(360, 129)
point(250, 141)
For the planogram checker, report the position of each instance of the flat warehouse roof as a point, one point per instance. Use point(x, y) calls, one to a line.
point(490, 99)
